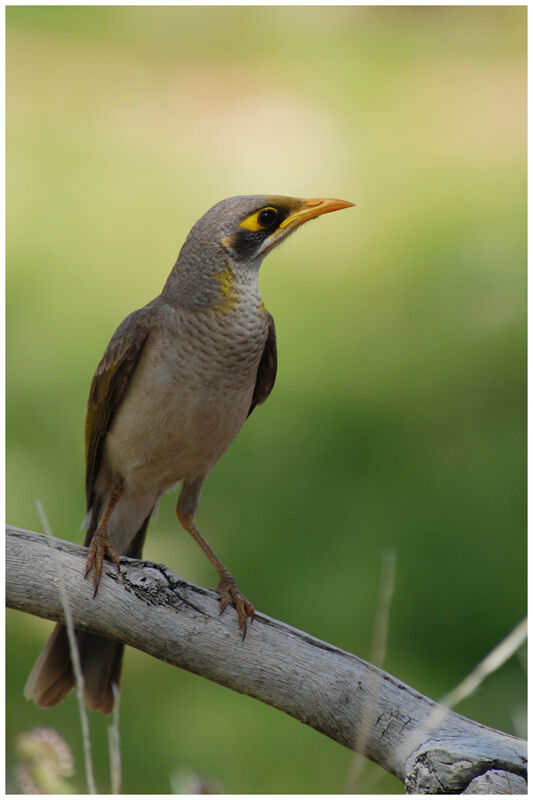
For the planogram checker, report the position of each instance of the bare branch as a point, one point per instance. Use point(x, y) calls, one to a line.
point(428, 747)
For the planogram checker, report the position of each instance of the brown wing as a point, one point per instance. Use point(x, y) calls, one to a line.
point(109, 386)
point(266, 373)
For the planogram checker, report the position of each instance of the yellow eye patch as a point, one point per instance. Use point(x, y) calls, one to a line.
point(252, 222)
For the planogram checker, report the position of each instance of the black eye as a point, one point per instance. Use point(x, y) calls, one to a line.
point(267, 217)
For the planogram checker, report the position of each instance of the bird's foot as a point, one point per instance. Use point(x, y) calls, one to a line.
point(99, 548)
point(230, 593)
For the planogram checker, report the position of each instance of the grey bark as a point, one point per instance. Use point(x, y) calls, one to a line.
point(431, 749)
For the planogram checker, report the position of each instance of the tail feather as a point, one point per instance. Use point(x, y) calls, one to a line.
point(52, 676)
point(101, 661)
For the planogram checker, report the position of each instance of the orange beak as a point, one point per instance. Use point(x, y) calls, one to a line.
point(305, 210)
point(313, 208)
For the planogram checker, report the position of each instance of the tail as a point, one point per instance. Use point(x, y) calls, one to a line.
point(52, 676)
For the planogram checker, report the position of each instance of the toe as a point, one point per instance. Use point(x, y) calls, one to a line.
point(89, 564)
point(224, 601)
point(250, 610)
point(99, 548)
point(229, 592)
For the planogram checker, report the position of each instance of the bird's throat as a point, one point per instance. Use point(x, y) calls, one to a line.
point(228, 291)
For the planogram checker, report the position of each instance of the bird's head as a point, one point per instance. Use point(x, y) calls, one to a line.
point(251, 226)
point(240, 231)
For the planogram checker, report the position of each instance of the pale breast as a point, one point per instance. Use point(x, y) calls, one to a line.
point(189, 397)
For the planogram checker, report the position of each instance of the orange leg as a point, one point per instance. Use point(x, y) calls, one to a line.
point(227, 585)
point(101, 543)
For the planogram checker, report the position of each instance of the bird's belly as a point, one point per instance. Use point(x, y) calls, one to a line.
point(182, 427)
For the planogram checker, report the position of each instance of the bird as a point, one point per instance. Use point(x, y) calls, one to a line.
point(176, 383)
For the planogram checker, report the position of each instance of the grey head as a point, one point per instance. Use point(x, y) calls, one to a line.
point(237, 232)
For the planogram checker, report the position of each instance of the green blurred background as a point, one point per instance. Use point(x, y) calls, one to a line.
point(399, 415)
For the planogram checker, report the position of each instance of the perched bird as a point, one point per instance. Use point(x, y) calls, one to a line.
point(174, 387)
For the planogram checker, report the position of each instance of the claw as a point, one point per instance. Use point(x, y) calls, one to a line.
point(99, 548)
point(230, 593)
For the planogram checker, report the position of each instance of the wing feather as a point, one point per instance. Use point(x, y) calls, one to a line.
point(268, 365)
point(110, 382)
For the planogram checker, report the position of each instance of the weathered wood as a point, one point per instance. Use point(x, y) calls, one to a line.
point(430, 748)
point(497, 781)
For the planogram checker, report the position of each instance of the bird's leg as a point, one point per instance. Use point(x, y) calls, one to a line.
point(227, 585)
point(101, 543)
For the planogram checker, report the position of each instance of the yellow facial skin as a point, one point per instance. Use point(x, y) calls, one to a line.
point(252, 223)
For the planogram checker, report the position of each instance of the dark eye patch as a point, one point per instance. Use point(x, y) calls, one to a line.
point(254, 229)
point(245, 243)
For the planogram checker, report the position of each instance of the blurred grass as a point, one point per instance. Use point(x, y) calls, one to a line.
point(399, 415)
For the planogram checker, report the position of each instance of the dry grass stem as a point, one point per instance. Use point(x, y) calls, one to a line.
point(492, 662)
point(377, 657)
point(113, 733)
point(74, 654)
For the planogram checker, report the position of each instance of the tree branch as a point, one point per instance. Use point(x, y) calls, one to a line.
point(428, 747)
